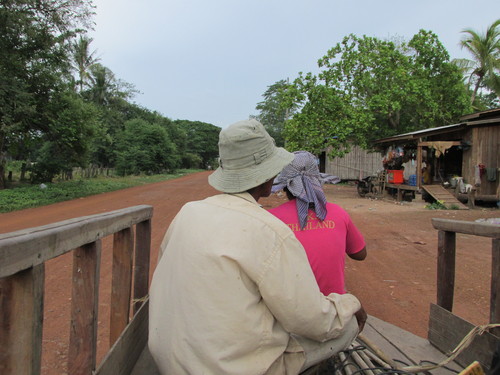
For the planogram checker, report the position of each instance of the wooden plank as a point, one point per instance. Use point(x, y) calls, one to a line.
point(402, 186)
point(446, 269)
point(121, 284)
point(441, 194)
point(431, 143)
point(467, 227)
point(447, 330)
point(141, 262)
point(84, 309)
point(123, 355)
point(23, 249)
point(21, 320)
point(400, 189)
point(403, 346)
point(488, 155)
point(394, 342)
point(145, 364)
point(495, 285)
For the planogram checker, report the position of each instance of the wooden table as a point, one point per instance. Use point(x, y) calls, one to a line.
point(401, 188)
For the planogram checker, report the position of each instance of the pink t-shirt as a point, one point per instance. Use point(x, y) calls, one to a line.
point(326, 242)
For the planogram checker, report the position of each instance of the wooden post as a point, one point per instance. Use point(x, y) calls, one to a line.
point(141, 261)
point(419, 167)
point(84, 308)
point(400, 194)
point(21, 321)
point(121, 285)
point(446, 269)
point(471, 198)
point(495, 285)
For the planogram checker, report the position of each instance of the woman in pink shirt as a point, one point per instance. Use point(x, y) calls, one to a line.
point(324, 229)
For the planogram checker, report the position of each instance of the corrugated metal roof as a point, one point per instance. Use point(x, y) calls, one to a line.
point(483, 114)
point(489, 117)
point(419, 133)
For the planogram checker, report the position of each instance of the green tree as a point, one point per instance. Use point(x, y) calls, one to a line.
point(370, 88)
point(110, 95)
point(326, 121)
point(275, 109)
point(145, 148)
point(176, 132)
point(67, 143)
point(34, 38)
point(201, 141)
point(484, 68)
point(113, 118)
point(438, 96)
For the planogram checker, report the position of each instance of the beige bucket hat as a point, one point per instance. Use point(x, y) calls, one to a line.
point(248, 157)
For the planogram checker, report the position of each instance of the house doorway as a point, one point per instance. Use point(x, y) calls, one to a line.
point(446, 165)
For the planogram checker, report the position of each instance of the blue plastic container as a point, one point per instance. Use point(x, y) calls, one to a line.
point(412, 180)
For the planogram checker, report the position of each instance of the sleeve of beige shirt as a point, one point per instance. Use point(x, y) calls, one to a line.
point(290, 291)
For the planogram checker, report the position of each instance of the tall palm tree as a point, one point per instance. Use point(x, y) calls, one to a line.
point(484, 68)
point(83, 59)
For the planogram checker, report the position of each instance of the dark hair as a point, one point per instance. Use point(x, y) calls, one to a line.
point(290, 196)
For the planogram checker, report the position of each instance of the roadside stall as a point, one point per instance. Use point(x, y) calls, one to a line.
point(453, 163)
point(400, 171)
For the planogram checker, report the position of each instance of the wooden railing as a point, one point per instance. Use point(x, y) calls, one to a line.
point(446, 330)
point(22, 274)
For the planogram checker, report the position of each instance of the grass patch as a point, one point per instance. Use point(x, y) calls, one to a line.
point(437, 205)
point(34, 196)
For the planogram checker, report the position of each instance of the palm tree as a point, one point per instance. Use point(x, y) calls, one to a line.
point(483, 70)
point(103, 88)
point(102, 84)
point(83, 59)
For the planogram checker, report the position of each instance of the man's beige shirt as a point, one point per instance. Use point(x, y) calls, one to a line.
point(231, 285)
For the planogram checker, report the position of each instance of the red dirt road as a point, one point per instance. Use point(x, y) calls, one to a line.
point(396, 282)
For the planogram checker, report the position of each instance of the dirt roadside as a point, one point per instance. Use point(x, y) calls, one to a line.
point(396, 282)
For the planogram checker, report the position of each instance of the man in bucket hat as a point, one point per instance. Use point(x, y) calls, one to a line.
point(233, 292)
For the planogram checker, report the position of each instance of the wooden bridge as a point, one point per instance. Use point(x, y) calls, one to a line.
point(22, 262)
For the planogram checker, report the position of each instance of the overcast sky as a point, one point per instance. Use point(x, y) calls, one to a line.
point(211, 61)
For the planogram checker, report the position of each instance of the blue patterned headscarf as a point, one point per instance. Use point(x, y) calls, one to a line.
point(302, 179)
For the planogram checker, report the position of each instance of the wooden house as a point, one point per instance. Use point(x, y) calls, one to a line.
point(467, 150)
